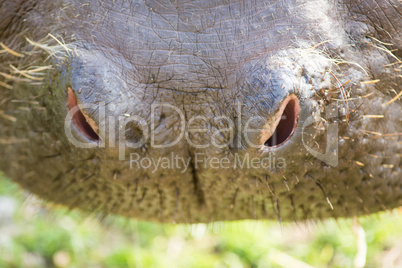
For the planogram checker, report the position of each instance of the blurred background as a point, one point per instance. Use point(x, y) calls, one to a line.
point(34, 233)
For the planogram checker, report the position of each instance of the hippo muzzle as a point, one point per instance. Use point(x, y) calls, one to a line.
point(203, 111)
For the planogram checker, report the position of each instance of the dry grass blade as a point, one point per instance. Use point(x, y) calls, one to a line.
point(368, 95)
point(386, 135)
point(23, 73)
point(36, 70)
point(369, 132)
point(361, 255)
point(9, 50)
point(5, 85)
point(60, 43)
point(393, 99)
point(12, 140)
point(373, 116)
point(344, 97)
point(386, 50)
point(370, 82)
point(8, 117)
point(14, 78)
point(334, 89)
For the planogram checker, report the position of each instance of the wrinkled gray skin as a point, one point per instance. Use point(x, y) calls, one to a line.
point(205, 58)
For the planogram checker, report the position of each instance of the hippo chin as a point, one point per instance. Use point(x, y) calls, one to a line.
point(199, 111)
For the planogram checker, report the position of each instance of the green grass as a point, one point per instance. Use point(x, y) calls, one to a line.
point(36, 234)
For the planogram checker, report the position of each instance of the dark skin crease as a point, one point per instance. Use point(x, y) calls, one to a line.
point(205, 110)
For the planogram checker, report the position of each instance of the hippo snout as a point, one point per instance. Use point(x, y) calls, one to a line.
point(204, 111)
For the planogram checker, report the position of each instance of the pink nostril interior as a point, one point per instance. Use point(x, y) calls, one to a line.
point(79, 118)
point(284, 128)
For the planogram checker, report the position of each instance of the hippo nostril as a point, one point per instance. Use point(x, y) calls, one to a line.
point(286, 122)
point(80, 120)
